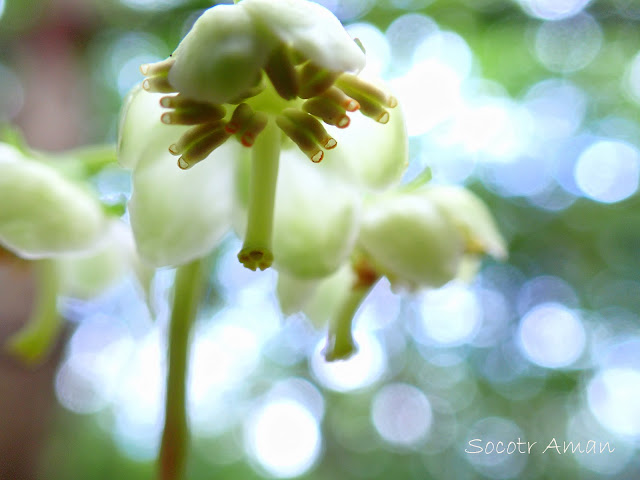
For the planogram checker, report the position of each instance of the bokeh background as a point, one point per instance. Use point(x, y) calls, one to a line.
point(533, 104)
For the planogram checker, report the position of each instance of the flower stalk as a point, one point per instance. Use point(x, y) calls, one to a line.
point(35, 339)
point(340, 343)
point(189, 286)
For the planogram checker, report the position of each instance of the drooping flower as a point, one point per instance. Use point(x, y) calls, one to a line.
point(280, 76)
point(418, 236)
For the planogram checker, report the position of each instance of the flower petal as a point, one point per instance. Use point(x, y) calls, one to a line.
point(471, 216)
point(316, 218)
point(374, 156)
point(179, 215)
point(221, 57)
point(310, 29)
point(140, 126)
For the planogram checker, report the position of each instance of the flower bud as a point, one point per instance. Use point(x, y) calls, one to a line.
point(44, 213)
point(409, 239)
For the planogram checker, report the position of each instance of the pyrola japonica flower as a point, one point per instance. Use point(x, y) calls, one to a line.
point(276, 75)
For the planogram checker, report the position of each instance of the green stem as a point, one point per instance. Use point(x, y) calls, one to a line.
point(340, 343)
point(265, 158)
point(420, 181)
point(189, 286)
point(35, 339)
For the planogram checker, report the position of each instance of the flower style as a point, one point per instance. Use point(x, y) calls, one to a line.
point(279, 76)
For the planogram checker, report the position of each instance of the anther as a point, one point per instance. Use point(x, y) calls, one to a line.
point(330, 112)
point(156, 74)
point(246, 124)
point(192, 135)
point(256, 124)
point(191, 117)
point(372, 99)
point(180, 102)
point(280, 69)
point(158, 68)
point(358, 88)
point(312, 126)
point(340, 98)
point(202, 148)
point(241, 116)
point(373, 110)
point(158, 84)
point(301, 137)
point(314, 80)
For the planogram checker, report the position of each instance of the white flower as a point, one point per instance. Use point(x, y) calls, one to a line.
point(420, 238)
point(258, 70)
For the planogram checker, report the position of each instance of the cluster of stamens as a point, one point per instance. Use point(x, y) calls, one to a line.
point(315, 95)
point(326, 96)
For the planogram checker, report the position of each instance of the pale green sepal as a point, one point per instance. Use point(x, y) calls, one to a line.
point(87, 276)
point(318, 299)
point(294, 292)
point(9, 153)
point(372, 155)
point(331, 292)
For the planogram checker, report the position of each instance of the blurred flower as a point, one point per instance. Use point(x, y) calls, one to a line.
point(420, 237)
point(44, 213)
point(76, 246)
